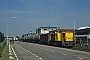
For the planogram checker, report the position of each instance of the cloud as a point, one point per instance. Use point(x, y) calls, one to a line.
point(36, 3)
point(23, 12)
point(80, 9)
point(22, 0)
point(14, 11)
point(70, 14)
point(39, 13)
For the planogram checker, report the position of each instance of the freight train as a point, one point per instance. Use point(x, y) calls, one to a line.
point(59, 37)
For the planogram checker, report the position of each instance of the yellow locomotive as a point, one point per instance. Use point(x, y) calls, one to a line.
point(15, 38)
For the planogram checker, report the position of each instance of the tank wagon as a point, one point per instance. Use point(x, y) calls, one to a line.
point(24, 38)
point(35, 38)
point(30, 37)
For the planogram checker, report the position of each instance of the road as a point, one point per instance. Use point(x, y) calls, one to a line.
point(31, 51)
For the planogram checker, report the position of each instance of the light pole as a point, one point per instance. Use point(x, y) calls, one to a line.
point(7, 31)
point(74, 26)
point(74, 33)
point(7, 28)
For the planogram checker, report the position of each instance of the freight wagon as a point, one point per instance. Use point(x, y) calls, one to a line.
point(47, 38)
point(37, 38)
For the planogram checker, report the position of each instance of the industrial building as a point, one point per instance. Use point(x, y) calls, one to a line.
point(83, 35)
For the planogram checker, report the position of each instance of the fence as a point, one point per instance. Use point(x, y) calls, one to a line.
point(2, 45)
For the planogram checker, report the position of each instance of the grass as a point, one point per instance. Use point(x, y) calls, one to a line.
point(82, 48)
point(1, 43)
point(5, 53)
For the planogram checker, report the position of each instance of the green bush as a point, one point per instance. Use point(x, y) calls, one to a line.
point(0, 54)
point(2, 45)
point(1, 37)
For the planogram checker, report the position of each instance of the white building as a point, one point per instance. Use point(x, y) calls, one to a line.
point(44, 30)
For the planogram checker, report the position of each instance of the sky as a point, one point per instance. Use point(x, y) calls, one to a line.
point(30, 13)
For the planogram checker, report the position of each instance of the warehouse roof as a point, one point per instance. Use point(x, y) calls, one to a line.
point(85, 27)
point(48, 27)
